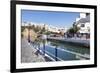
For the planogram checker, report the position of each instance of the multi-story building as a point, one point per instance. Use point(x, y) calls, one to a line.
point(83, 22)
point(56, 29)
point(46, 26)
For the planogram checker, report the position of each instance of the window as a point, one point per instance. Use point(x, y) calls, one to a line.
point(82, 25)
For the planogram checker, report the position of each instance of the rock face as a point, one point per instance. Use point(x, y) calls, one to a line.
point(26, 33)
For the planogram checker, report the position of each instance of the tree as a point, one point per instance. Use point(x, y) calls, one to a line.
point(73, 30)
point(22, 28)
point(37, 29)
point(76, 29)
point(47, 32)
point(43, 30)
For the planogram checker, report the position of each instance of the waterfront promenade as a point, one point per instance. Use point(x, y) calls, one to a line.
point(29, 53)
point(81, 41)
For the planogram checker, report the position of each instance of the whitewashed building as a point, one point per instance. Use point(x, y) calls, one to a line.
point(83, 22)
point(56, 29)
point(41, 25)
point(46, 26)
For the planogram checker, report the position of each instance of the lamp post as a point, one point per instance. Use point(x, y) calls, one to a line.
point(74, 29)
point(44, 47)
point(56, 53)
point(44, 37)
point(29, 33)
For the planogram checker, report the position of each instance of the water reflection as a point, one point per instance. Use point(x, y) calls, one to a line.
point(59, 51)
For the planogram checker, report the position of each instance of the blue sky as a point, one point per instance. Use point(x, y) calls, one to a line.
point(57, 19)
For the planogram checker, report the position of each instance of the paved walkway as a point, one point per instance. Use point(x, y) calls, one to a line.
point(29, 54)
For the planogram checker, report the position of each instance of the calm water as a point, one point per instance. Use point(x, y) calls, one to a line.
point(63, 51)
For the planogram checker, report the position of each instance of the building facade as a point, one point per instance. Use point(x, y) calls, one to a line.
point(83, 22)
point(46, 26)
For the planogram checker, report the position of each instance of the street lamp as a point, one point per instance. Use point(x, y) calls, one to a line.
point(44, 47)
point(44, 37)
point(56, 53)
point(29, 33)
